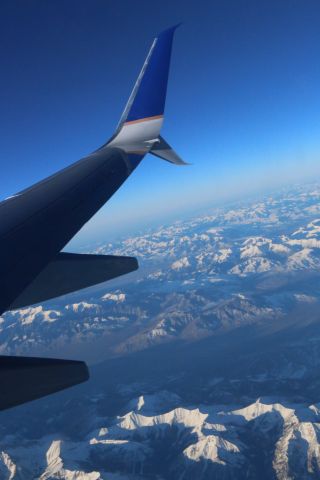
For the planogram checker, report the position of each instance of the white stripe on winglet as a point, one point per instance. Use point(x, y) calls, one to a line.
point(138, 135)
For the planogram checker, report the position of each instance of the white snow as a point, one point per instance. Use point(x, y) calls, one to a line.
point(115, 297)
point(82, 307)
point(250, 251)
point(8, 469)
point(222, 255)
point(305, 242)
point(302, 297)
point(27, 316)
point(301, 259)
point(55, 467)
point(180, 264)
point(258, 408)
point(279, 248)
point(215, 449)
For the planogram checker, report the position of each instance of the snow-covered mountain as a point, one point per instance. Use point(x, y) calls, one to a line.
point(199, 276)
point(149, 440)
point(224, 315)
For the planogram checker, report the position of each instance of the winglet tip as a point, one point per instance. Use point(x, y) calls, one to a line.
point(169, 30)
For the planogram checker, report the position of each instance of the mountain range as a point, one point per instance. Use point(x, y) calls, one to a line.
point(205, 362)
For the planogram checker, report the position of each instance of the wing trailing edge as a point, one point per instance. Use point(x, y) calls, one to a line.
point(69, 272)
point(28, 378)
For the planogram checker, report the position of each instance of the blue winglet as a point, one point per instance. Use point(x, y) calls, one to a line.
point(138, 131)
point(149, 94)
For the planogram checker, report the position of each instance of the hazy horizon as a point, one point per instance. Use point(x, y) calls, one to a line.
point(101, 228)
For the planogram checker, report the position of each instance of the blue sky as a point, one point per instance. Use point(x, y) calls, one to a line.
point(243, 103)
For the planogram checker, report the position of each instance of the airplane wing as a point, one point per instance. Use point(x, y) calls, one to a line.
point(38, 222)
point(27, 378)
point(69, 272)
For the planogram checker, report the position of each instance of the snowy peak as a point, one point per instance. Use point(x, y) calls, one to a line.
point(197, 442)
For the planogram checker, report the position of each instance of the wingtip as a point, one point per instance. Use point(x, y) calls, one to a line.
point(169, 30)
